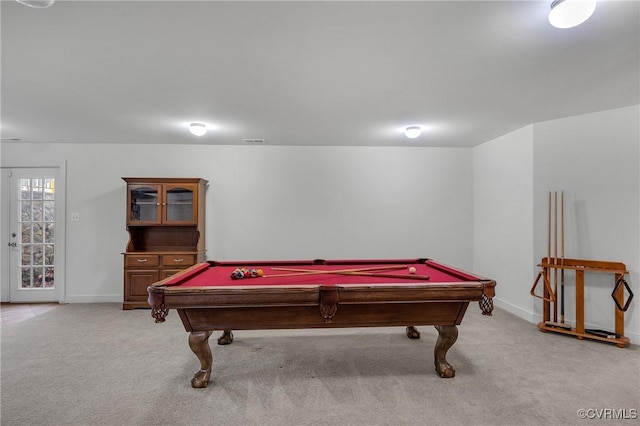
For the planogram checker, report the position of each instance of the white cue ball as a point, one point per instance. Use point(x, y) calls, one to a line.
point(412, 270)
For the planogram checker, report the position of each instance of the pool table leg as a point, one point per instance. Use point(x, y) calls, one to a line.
point(225, 338)
point(412, 332)
point(199, 344)
point(447, 336)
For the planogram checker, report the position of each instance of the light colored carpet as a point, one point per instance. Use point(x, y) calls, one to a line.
point(94, 364)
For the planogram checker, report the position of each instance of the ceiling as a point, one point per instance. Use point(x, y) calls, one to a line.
point(342, 73)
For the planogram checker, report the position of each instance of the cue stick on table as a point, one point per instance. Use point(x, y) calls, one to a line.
point(383, 275)
point(317, 271)
point(361, 271)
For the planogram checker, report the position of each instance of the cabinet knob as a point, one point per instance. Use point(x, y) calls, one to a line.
point(178, 260)
point(143, 260)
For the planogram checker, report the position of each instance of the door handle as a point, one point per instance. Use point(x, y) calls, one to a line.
point(13, 244)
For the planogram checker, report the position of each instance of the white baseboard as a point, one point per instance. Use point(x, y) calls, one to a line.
point(516, 310)
point(92, 298)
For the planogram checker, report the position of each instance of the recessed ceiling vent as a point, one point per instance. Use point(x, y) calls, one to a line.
point(253, 141)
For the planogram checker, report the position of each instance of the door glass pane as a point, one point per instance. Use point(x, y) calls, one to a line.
point(49, 234)
point(25, 211)
point(26, 232)
point(49, 210)
point(37, 188)
point(180, 205)
point(37, 245)
point(26, 278)
point(144, 204)
point(25, 189)
point(48, 277)
point(36, 255)
point(37, 233)
point(48, 254)
point(36, 214)
point(25, 250)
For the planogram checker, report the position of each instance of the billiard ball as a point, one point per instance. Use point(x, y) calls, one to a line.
point(412, 270)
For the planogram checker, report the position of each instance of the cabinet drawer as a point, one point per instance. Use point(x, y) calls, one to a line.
point(178, 260)
point(132, 261)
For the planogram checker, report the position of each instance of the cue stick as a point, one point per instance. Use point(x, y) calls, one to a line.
point(555, 323)
point(359, 271)
point(383, 275)
point(317, 272)
point(549, 231)
point(555, 253)
point(548, 276)
point(562, 257)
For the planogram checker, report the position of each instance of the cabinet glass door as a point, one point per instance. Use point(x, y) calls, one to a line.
point(144, 204)
point(179, 203)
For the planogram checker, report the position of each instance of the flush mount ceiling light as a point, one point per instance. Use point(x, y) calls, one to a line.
point(197, 129)
point(570, 13)
point(37, 4)
point(412, 132)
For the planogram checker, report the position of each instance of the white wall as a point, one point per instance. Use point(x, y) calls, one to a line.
point(267, 202)
point(595, 159)
point(503, 217)
point(345, 202)
point(270, 202)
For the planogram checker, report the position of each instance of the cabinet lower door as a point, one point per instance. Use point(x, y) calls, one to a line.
point(136, 283)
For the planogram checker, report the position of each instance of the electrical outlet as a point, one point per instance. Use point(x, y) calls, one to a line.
point(75, 217)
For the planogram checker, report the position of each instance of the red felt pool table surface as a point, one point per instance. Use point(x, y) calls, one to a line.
point(207, 298)
point(215, 273)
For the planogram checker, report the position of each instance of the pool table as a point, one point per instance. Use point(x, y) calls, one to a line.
point(319, 294)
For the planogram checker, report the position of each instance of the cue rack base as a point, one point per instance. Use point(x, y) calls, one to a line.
point(580, 266)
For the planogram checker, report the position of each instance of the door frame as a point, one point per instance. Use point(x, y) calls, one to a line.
point(61, 229)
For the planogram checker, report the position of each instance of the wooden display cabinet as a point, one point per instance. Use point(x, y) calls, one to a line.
point(166, 225)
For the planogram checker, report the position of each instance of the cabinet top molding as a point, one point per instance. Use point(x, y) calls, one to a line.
point(164, 180)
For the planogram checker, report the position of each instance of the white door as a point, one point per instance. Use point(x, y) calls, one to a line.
point(34, 234)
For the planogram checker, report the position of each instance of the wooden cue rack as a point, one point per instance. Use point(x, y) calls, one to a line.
point(580, 266)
